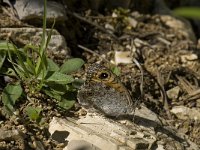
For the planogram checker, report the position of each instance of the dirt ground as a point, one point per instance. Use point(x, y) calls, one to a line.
point(168, 57)
point(164, 47)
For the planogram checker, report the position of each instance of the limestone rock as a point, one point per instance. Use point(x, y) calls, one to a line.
point(96, 132)
point(32, 10)
point(102, 133)
point(11, 135)
point(123, 57)
point(184, 113)
point(173, 92)
point(27, 35)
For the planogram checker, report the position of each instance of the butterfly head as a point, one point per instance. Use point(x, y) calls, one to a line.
point(99, 73)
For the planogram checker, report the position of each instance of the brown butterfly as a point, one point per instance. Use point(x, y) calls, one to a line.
point(103, 91)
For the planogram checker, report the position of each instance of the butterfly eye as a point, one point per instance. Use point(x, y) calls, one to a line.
point(103, 75)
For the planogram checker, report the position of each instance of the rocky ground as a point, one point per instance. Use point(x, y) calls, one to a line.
point(160, 50)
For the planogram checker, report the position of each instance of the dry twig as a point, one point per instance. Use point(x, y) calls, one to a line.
point(93, 52)
point(164, 95)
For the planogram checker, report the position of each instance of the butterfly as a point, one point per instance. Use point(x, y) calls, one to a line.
point(103, 92)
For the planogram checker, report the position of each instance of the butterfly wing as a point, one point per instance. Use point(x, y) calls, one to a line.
point(104, 99)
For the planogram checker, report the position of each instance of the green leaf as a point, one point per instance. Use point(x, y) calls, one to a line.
point(66, 104)
point(52, 66)
point(11, 93)
point(41, 65)
point(116, 70)
point(42, 59)
point(2, 58)
point(21, 61)
point(59, 78)
point(71, 65)
point(30, 65)
point(58, 88)
point(4, 45)
point(53, 94)
point(55, 90)
point(78, 83)
point(19, 71)
point(190, 12)
point(49, 34)
point(44, 40)
point(67, 100)
point(34, 113)
point(8, 109)
point(8, 71)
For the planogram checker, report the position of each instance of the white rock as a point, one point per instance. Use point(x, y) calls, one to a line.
point(100, 132)
point(160, 147)
point(123, 57)
point(27, 35)
point(13, 134)
point(94, 132)
point(109, 27)
point(189, 57)
point(132, 22)
point(33, 10)
point(81, 144)
point(173, 92)
point(184, 113)
point(147, 114)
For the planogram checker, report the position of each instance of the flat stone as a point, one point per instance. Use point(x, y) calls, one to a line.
point(95, 131)
point(123, 57)
point(189, 57)
point(139, 143)
point(173, 92)
point(100, 132)
point(146, 117)
point(184, 113)
point(33, 10)
point(81, 144)
point(7, 135)
point(27, 35)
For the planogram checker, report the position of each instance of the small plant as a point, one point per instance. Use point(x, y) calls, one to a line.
point(116, 70)
point(11, 93)
point(34, 113)
point(30, 66)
